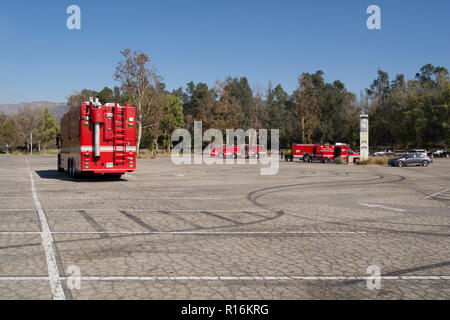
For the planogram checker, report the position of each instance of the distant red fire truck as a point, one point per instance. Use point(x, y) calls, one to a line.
point(244, 151)
point(324, 152)
point(227, 151)
point(99, 139)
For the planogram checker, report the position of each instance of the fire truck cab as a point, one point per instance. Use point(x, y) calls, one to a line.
point(98, 139)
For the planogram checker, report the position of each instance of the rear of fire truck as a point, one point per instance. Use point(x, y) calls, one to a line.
point(98, 139)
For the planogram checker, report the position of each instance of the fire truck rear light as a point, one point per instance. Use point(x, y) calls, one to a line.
point(86, 167)
point(86, 118)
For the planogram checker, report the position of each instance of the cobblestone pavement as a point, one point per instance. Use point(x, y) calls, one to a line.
point(224, 232)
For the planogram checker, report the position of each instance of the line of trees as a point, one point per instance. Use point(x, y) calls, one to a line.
point(30, 128)
point(402, 113)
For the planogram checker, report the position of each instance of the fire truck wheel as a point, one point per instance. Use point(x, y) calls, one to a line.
point(60, 169)
point(306, 158)
point(256, 156)
point(356, 160)
point(326, 160)
point(234, 156)
point(70, 168)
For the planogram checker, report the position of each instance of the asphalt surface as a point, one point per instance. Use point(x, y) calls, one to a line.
point(224, 232)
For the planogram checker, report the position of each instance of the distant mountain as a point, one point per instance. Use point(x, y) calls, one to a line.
point(57, 109)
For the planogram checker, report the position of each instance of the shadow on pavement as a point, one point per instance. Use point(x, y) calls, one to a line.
point(55, 175)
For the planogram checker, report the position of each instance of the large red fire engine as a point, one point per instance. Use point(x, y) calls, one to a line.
point(324, 152)
point(98, 139)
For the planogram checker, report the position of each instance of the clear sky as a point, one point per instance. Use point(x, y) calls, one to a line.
point(207, 40)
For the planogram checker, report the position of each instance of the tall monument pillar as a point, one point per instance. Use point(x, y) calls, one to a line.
point(364, 136)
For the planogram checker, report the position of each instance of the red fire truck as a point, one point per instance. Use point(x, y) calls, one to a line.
point(99, 139)
point(331, 152)
point(302, 151)
point(254, 151)
point(227, 151)
point(324, 152)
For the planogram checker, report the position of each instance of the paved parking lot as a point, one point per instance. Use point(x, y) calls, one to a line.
point(224, 232)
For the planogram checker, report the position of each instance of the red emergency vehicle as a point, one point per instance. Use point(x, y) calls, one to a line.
point(331, 152)
point(227, 151)
point(254, 151)
point(325, 152)
point(98, 139)
point(302, 151)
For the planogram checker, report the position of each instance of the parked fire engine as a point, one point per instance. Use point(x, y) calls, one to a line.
point(227, 151)
point(99, 139)
point(323, 152)
point(244, 151)
point(254, 151)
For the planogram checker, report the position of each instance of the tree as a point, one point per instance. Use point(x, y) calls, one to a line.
point(47, 127)
point(78, 97)
point(28, 122)
point(304, 107)
point(139, 81)
point(275, 112)
point(9, 138)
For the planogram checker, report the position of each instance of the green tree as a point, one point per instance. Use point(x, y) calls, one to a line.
point(47, 128)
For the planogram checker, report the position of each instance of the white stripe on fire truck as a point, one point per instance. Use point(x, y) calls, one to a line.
point(102, 149)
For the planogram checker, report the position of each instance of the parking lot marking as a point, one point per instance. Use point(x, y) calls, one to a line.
point(191, 232)
point(435, 194)
point(231, 278)
point(382, 206)
point(47, 242)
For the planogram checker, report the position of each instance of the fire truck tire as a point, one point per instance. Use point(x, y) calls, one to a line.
point(256, 156)
point(356, 160)
point(234, 156)
point(60, 169)
point(326, 160)
point(305, 158)
point(70, 168)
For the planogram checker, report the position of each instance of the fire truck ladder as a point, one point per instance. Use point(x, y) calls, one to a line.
point(119, 135)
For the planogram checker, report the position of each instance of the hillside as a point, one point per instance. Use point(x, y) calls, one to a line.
point(57, 109)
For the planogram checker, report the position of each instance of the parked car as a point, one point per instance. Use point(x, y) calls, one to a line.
point(441, 153)
point(411, 158)
point(383, 153)
point(421, 151)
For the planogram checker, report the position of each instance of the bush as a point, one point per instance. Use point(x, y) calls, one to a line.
point(339, 161)
point(380, 161)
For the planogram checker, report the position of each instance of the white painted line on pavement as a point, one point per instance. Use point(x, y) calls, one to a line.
point(47, 242)
point(435, 194)
point(189, 232)
point(228, 278)
point(381, 206)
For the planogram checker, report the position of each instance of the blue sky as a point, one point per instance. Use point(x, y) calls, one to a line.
point(40, 59)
